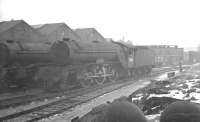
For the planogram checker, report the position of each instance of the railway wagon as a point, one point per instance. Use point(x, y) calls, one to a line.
point(144, 59)
point(138, 60)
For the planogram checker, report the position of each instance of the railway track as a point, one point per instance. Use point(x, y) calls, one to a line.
point(15, 101)
point(25, 99)
point(54, 105)
point(70, 101)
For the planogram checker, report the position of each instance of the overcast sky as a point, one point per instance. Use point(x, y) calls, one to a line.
point(144, 22)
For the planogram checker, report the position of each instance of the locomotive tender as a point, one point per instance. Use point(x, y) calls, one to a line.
point(68, 63)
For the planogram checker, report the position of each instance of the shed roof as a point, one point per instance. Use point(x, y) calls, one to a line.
point(47, 28)
point(85, 33)
point(6, 25)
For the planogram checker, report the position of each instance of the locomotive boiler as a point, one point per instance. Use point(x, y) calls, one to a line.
point(72, 52)
point(23, 53)
point(88, 63)
point(17, 60)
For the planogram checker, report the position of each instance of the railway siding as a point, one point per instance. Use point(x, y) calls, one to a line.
point(80, 110)
point(38, 110)
point(81, 97)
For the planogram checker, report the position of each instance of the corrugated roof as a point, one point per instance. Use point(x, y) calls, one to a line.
point(47, 28)
point(6, 25)
point(86, 33)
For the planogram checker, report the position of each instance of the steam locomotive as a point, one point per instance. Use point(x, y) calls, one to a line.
point(68, 63)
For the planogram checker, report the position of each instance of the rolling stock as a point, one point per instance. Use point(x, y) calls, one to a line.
point(69, 63)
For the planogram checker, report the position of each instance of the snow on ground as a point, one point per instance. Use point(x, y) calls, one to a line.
point(165, 76)
point(153, 118)
point(186, 86)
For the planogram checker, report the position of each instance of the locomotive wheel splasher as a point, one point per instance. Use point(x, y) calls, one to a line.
point(100, 74)
point(86, 80)
point(97, 74)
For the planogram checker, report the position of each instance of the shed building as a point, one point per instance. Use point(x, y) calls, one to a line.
point(193, 57)
point(57, 32)
point(90, 34)
point(20, 31)
point(167, 54)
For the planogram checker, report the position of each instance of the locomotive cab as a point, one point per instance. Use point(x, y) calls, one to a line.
point(126, 56)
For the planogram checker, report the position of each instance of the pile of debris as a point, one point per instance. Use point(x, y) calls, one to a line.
point(154, 98)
